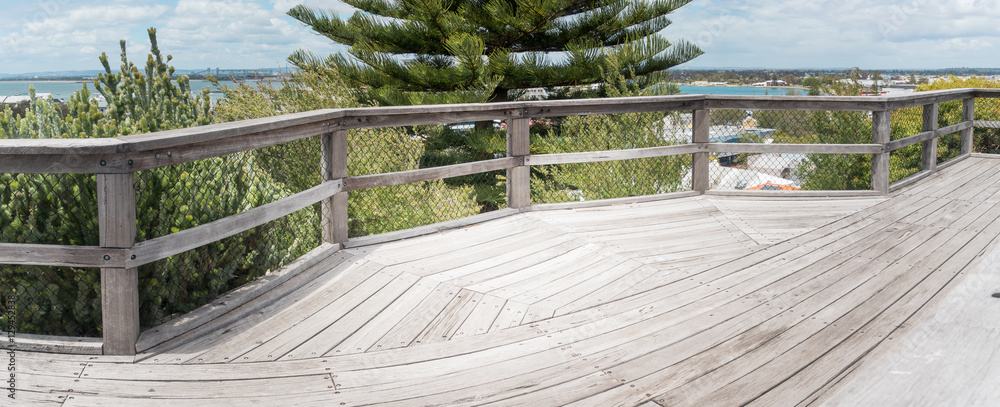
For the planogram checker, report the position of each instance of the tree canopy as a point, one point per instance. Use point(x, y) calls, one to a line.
point(417, 51)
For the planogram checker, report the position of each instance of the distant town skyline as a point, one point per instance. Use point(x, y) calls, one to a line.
point(64, 35)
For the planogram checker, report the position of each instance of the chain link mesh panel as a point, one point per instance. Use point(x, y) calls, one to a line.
point(612, 179)
point(181, 283)
point(949, 146)
point(949, 113)
point(384, 150)
point(51, 300)
point(574, 134)
point(180, 197)
point(905, 161)
point(57, 209)
point(741, 171)
point(764, 126)
point(987, 138)
point(49, 209)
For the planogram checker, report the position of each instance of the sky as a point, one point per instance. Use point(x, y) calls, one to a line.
point(60, 35)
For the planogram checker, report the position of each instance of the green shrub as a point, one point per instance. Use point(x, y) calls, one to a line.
point(61, 209)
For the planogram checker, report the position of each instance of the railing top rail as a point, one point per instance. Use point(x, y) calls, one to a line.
point(322, 121)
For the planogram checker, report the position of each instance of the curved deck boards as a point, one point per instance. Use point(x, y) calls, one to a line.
point(696, 301)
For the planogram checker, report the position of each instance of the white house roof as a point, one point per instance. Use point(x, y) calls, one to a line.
point(23, 98)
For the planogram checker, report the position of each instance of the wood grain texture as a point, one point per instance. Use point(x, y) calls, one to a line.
point(968, 116)
point(781, 299)
point(162, 247)
point(427, 174)
point(612, 155)
point(243, 301)
point(119, 286)
point(881, 133)
point(333, 166)
point(519, 177)
point(929, 148)
point(796, 148)
point(700, 177)
point(60, 255)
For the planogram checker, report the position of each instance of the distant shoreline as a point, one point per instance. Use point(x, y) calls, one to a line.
point(48, 80)
point(746, 86)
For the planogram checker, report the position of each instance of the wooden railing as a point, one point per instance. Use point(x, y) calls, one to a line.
point(116, 161)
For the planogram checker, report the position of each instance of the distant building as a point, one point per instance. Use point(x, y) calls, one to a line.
point(22, 98)
point(535, 94)
point(778, 82)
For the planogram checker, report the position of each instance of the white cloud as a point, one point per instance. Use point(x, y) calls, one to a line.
point(839, 33)
point(64, 34)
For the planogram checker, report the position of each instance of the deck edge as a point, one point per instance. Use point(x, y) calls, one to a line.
point(232, 300)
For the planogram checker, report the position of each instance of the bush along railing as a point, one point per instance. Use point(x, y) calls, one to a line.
point(110, 236)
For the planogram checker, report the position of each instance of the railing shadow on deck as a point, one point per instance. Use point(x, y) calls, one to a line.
point(697, 131)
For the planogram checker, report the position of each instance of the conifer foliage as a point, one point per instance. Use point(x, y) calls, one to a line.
point(406, 52)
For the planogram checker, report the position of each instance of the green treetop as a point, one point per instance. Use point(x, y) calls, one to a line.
point(416, 52)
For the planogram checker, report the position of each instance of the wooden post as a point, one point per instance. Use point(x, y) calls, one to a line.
point(333, 164)
point(519, 177)
point(928, 155)
point(699, 161)
point(968, 115)
point(119, 286)
point(880, 162)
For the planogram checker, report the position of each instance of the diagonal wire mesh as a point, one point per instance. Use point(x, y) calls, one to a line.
point(180, 197)
point(773, 171)
point(987, 133)
point(905, 161)
point(950, 145)
point(391, 208)
point(611, 179)
point(58, 209)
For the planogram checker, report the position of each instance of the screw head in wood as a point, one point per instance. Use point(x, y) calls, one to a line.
point(106, 257)
point(104, 163)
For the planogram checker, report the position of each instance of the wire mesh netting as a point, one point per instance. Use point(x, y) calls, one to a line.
point(58, 209)
point(180, 197)
point(612, 179)
point(987, 136)
point(768, 126)
point(181, 283)
point(773, 171)
point(949, 146)
point(384, 150)
point(51, 300)
point(905, 161)
point(949, 113)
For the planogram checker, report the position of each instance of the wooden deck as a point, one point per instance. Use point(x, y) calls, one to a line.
point(688, 302)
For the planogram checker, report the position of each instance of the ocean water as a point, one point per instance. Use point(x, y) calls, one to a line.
point(65, 89)
point(737, 90)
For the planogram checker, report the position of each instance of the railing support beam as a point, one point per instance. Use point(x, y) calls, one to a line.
point(519, 177)
point(333, 163)
point(968, 115)
point(881, 129)
point(928, 155)
point(699, 161)
point(119, 286)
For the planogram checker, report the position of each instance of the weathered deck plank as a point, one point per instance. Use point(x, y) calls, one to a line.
point(694, 301)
